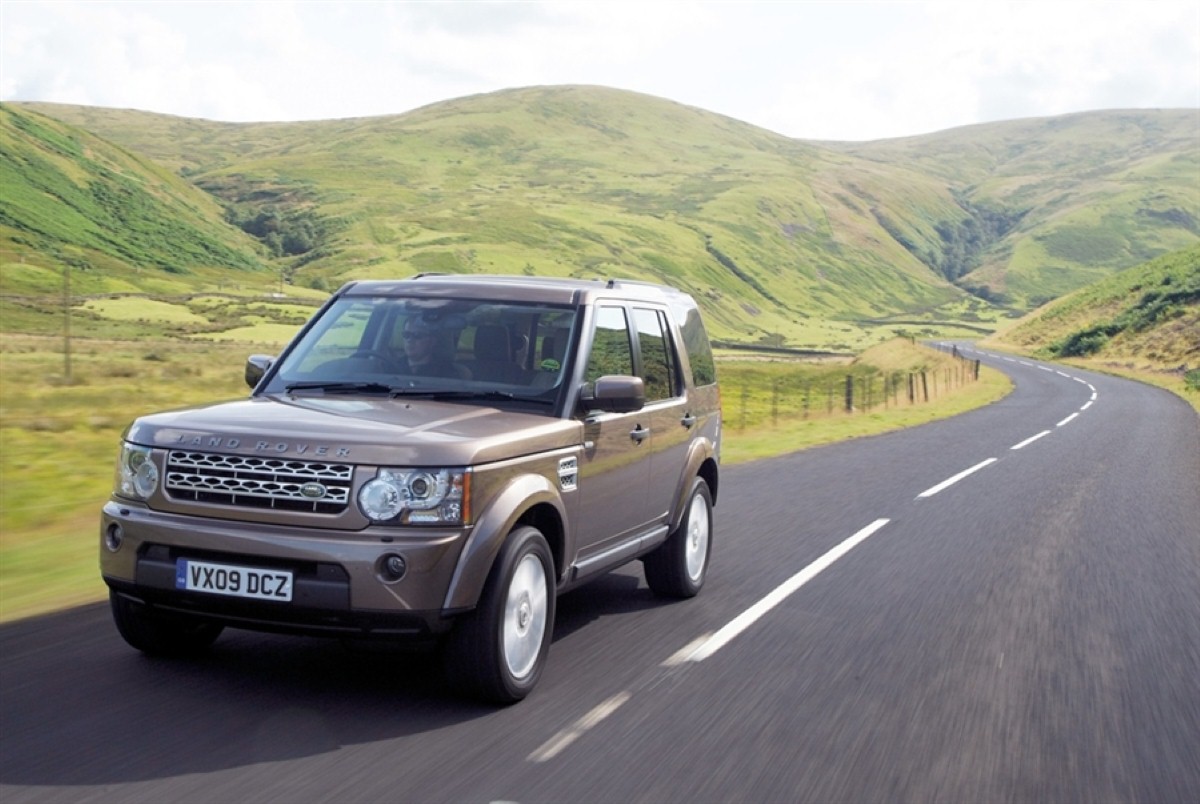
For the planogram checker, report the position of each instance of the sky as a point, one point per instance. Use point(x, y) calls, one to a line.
point(847, 71)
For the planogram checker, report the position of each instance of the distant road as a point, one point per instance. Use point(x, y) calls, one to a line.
point(1002, 606)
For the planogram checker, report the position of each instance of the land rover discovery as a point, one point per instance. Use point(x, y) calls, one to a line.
point(433, 458)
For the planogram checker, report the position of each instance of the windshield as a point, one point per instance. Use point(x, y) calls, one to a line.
point(495, 350)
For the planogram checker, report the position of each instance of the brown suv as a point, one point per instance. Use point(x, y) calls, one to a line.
point(435, 457)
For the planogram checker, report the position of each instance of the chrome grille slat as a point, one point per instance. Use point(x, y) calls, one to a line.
point(257, 482)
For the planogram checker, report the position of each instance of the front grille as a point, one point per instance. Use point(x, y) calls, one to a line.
point(273, 483)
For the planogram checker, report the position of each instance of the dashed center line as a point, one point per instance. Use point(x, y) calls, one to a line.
point(1030, 440)
point(948, 482)
point(747, 618)
point(703, 647)
point(556, 744)
point(1068, 419)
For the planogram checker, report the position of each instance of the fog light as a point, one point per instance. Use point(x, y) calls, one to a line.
point(392, 567)
point(114, 537)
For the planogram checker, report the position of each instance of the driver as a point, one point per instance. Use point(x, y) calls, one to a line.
point(420, 351)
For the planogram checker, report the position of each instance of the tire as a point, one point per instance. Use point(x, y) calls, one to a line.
point(158, 633)
point(497, 652)
point(678, 567)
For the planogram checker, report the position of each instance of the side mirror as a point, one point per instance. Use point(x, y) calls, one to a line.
point(616, 394)
point(256, 367)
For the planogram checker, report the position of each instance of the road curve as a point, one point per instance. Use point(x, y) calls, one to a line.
point(1003, 606)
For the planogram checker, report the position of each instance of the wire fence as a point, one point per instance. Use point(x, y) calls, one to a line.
point(754, 400)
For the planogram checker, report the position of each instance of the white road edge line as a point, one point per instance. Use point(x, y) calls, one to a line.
point(948, 482)
point(1030, 440)
point(1086, 405)
point(747, 618)
point(1068, 419)
point(556, 744)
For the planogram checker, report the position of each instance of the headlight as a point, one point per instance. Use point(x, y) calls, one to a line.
point(416, 497)
point(137, 476)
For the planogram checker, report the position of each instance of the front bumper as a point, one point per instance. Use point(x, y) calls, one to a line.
point(338, 586)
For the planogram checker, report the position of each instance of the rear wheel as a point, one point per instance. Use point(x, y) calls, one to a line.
point(497, 652)
point(677, 568)
point(159, 633)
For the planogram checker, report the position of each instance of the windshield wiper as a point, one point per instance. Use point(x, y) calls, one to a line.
point(341, 387)
point(428, 393)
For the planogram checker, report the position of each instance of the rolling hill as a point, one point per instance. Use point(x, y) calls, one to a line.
point(807, 244)
point(123, 221)
point(1054, 204)
point(1147, 317)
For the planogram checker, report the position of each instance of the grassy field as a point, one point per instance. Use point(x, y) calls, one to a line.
point(58, 438)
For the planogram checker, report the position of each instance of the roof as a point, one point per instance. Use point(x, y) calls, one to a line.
point(549, 290)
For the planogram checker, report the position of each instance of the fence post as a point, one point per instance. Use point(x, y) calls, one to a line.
point(849, 393)
point(925, 385)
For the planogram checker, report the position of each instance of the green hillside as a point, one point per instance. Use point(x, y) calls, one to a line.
point(1145, 318)
point(1051, 205)
point(803, 244)
point(578, 181)
point(121, 221)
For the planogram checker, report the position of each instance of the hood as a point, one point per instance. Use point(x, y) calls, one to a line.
point(395, 432)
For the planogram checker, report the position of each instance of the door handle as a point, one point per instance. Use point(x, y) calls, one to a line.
point(639, 433)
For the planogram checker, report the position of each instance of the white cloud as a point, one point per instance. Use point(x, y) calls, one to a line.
point(807, 69)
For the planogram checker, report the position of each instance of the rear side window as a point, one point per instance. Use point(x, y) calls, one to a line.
point(658, 358)
point(699, 350)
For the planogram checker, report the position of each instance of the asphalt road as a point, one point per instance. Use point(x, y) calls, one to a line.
point(1004, 606)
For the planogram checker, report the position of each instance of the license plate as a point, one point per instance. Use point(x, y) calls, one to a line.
point(224, 579)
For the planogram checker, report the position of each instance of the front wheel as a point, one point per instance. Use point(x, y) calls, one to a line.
point(497, 652)
point(677, 568)
point(159, 633)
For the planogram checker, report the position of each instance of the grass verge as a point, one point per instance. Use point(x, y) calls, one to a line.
point(797, 434)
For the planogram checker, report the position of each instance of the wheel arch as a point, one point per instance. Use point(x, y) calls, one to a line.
point(527, 500)
point(702, 463)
